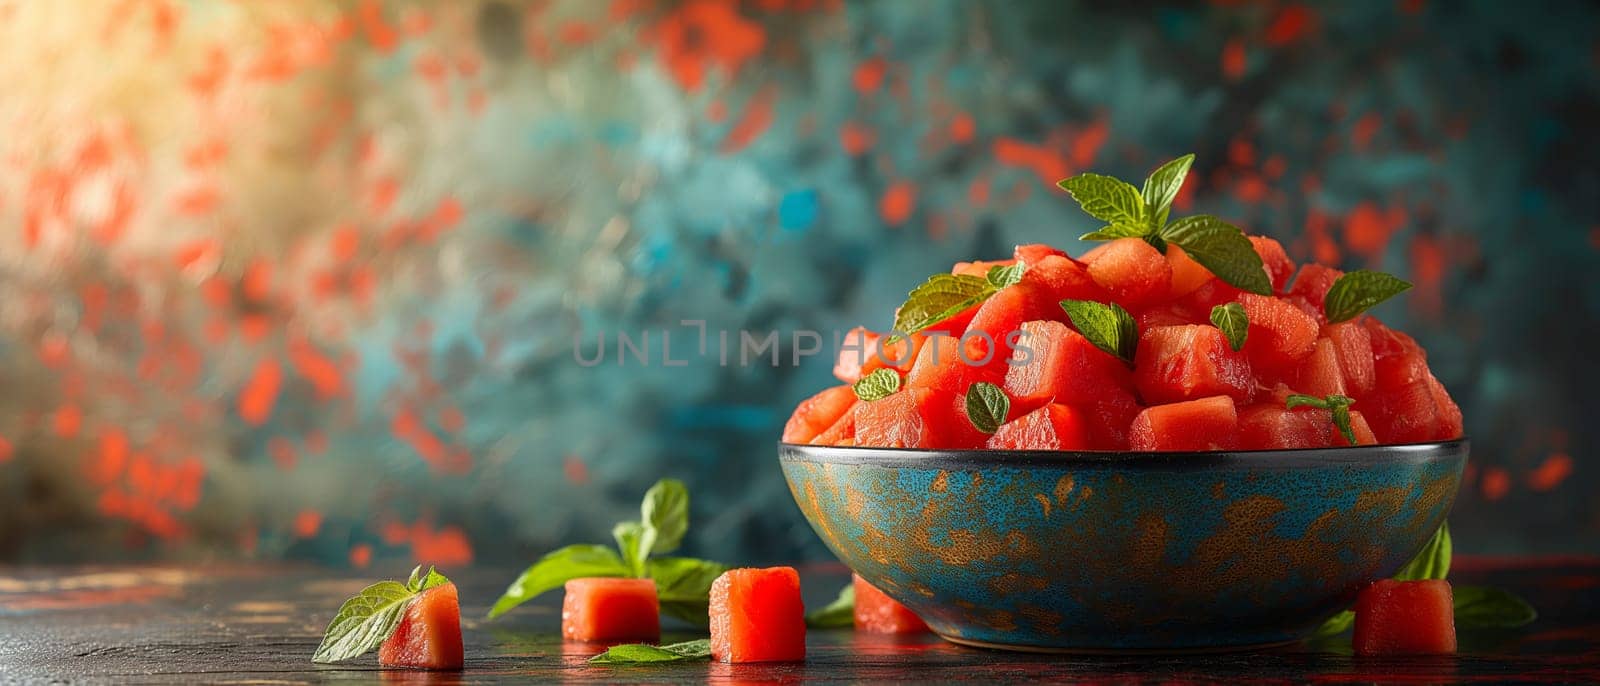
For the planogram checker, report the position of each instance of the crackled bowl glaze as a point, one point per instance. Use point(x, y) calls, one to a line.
point(1084, 551)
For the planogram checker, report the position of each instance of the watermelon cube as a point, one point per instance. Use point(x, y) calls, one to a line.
point(611, 610)
point(916, 418)
point(1273, 258)
point(842, 431)
point(1133, 271)
point(817, 413)
point(1281, 335)
point(1054, 278)
point(877, 613)
point(1274, 427)
point(1167, 314)
point(1034, 253)
point(1352, 344)
point(1052, 427)
point(979, 268)
point(1175, 363)
point(1311, 286)
point(1203, 424)
point(757, 616)
point(1111, 418)
point(859, 354)
point(429, 634)
point(1321, 374)
point(1405, 618)
point(1060, 366)
point(1187, 274)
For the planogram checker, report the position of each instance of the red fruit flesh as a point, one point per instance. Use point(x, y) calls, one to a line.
point(1405, 618)
point(878, 613)
point(1053, 279)
point(1312, 284)
point(1052, 427)
point(1277, 263)
point(1133, 271)
point(842, 431)
point(611, 609)
point(1204, 424)
point(1175, 363)
point(1352, 344)
point(1060, 366)
point(860, 354)
point(989, 339)
point(1187, 274)
point(817, 413)
point(1273, 427)
point(1111, 419)
point(757, 616)
point(979, 268)
point(1320, 374)
point(429, 635)
point(1280, 336)
point(916, 418)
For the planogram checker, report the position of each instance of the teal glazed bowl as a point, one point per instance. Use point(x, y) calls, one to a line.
point(1111, 552)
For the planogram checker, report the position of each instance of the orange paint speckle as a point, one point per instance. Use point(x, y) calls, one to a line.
point(360, 555)
point(1291, 24)
point(1366, 231)
point(575, 470)
point(868, 76)
point(307, 523)
point(1366, 127)
point(1427, 270)
point(1048, 165)
point(757, 117)
point(856, 139)
point(67, 420)
point(1550, 473)
point(978, 192)
point(6, 451)
point(962, 128)
point(112, 457)
point(322, 372)
point(1086, 145)
point(1496, 483)
point(897, 203)
point(260, 393)
point(1234, 60)
point(381, 34)
point(705, 33)
point(282, 453)
point(408, 427)
point(452, 420)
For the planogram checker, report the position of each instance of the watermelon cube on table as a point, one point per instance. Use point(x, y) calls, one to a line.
point(429, 633)
point(610, 609)
point(877, 613)
point(818, 413)
point(1203, 424)
point(1405, 618)
point(1175, 363)
point(1052, 427)
point(757, 616)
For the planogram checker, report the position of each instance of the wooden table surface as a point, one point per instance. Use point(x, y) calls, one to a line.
point(260, 624)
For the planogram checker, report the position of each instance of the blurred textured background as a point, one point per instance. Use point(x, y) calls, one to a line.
point(301, 279)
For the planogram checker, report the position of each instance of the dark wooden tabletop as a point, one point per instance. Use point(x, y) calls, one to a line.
point(261, 624)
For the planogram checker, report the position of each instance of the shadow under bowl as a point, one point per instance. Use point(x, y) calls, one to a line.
point(1117, 552)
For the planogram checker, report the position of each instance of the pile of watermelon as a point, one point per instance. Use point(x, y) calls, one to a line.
point(1185, 387)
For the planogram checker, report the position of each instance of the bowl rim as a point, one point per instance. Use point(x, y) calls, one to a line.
point(1289, 458)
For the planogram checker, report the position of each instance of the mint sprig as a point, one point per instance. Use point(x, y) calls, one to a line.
point(838, 614)
point(639, 653)
point(881, 383)
point(1106, 325)
point(1358, 291)
point(1217, 245)
point(944, 296)
point(1338, 407)
point(1433, 561)
point(987, 406)
point(1234, 323)
point(683, 585)
point(370, 617)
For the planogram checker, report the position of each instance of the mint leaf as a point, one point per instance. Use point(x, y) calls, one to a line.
point(881, 383)
point(1002, 275)
point(1336, 624)
point(1112, 232)
point(1221, 248)
point(683, 586)
point(364, 622)
point(1106, 198)
point(1161, 188)
point(556, 569)
point(634, 540)
point(1359, 291)
point(1338, 407)
point(1233, 322)
point(939, 298)
point(666, 510)
point(838, 614)
point(1107, 326)
point(638, 653)
point(1433, 561)
point(1478, 607)
point(987, 406)
point(418, 585)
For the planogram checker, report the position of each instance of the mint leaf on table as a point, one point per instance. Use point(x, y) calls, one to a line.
point(987, 406)
point(366, 620)
point(1338, 407)
point(683, 586)
point(1336, 624)
point(1479, 607)
point(1433, 561)
point(881, 383)
point(1221, 248)
point(838, 614)
point(944, 296)
point(638, 653)
point(556, 569)
point(1359, 291)
point(1106, 325)
point(1161, 188)
point(666, 510)
point(1233, 322)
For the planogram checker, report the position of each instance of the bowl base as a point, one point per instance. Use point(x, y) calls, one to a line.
point(1116, 651)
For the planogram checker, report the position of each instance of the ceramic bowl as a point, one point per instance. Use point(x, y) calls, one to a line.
point(1091, 552)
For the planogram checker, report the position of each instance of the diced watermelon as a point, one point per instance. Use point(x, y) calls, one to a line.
point(859, 354)
point(1280, 336)
point(1209, 295)
point(817, 413)
point(997, 325)
point(1406, 403)
point(1320, 374)
point(611, 609)
point(979, 268)
point(757, 616)
point(1034, 253)
point(943, 365)
point(1061, 366)
point(1136, 273)
point(1362, 430)
point(1204, 424)
point(1405, 618)
point(1056, 278)
point(429, 634)
point(1273, 258)
point(1112, 416)
point(877, 613)
point(1176, 363)
point(1352, 344)
point(1167, 314)
point(1052, 427)
point(1187, 274)
point(1311, 286)
point(841, 431)
point(916, 418)
point(1274, 427)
